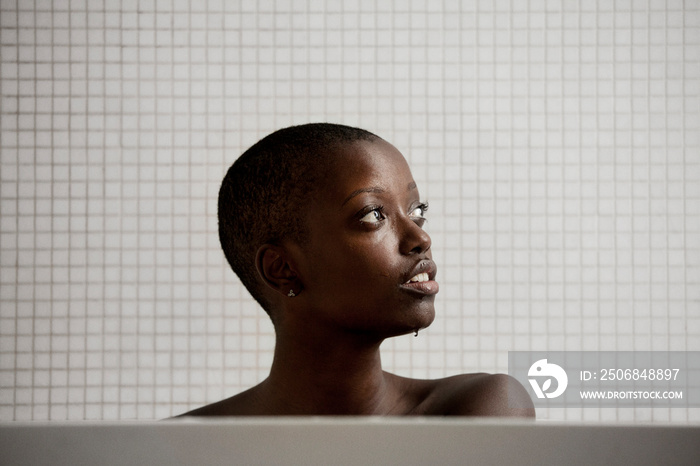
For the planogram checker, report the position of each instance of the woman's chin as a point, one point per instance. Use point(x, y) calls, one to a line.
point(429, 320)
point(421, 322)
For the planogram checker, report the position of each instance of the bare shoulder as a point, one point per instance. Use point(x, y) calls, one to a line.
point(246, 403)
point(480, 394)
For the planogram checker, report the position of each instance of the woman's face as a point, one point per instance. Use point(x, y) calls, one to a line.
point(367, 266)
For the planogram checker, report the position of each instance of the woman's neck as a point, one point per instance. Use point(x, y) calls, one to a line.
point(332, 375)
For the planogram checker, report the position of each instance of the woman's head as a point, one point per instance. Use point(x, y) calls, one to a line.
point(339, 222)
point(264, 193)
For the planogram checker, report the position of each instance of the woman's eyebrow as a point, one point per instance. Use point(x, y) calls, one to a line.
point(374, 189)
point(371, 189)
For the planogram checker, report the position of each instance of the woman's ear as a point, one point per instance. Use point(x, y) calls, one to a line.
point(276, 270)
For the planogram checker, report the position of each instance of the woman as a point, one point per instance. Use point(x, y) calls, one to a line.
point(323, 225)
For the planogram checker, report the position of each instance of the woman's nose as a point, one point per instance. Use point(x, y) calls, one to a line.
point(414, 239)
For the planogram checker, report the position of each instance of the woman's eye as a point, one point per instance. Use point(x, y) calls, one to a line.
point(419, 212)
point(374, 216)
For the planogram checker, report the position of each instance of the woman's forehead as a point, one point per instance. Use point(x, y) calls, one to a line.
point(367, 166)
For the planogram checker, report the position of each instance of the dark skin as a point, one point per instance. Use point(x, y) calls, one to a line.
point(349, 278)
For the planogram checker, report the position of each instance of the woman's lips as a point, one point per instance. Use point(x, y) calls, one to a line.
point(422, 279)
point(429, 287)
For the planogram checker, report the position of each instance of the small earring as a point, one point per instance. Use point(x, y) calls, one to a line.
point(291, 294)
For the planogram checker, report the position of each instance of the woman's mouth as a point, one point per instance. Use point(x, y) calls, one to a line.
point(423, 283)
point(421, 277)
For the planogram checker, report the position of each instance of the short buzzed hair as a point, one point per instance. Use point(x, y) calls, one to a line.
point(263, 194)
